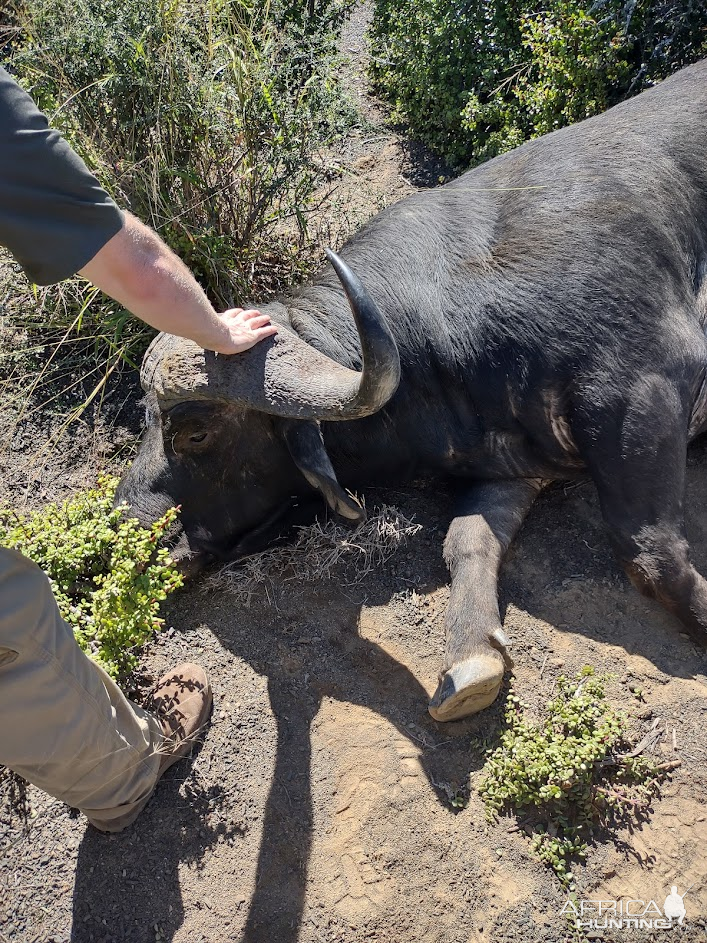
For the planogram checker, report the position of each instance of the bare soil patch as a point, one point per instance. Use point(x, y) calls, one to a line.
point(318, 808)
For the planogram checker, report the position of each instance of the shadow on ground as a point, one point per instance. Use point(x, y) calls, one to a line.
point(313, 650)
point(174, 831)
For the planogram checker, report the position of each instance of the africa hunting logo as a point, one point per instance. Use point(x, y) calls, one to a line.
point(627, 914)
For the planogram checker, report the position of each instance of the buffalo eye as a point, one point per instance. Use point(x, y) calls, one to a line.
point(198, 437)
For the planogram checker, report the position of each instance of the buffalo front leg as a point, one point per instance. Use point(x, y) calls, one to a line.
point(489, 517)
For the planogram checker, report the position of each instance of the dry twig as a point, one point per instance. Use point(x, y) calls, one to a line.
point(314, 555)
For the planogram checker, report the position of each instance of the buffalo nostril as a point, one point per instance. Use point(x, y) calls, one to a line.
point(193, 563)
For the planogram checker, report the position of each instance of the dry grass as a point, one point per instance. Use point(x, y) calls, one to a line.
point(320, 552)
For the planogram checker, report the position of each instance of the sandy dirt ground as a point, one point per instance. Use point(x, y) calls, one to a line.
point(319, 807)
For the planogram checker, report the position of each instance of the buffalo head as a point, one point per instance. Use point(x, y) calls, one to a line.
point(236, 440)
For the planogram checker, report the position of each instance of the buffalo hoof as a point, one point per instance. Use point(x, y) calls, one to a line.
point(468, 686)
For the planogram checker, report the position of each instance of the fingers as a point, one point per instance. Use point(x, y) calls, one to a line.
point(243, 316)
point(259, 320)
point(245, 341)
point(265, 330)
point(249, 319)
point(246, 328)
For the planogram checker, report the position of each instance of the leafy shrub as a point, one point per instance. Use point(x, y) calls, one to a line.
point(567, 776)
point(308, 29)
point(107, 573)
point(476, 79)
point(203, 117)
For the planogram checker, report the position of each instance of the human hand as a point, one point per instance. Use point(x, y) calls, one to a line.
point(137, 269)
point(245, 329)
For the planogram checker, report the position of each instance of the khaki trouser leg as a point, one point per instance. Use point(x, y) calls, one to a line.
point(64, 724)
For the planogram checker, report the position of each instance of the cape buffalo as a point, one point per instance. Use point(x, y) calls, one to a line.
point(539, 318)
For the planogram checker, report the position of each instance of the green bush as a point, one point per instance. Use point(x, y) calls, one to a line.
point(204, 117)
point(107, 573)
point(568, 775)
point(476, 79)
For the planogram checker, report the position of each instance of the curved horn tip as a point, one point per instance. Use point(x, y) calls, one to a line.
point(340, 267)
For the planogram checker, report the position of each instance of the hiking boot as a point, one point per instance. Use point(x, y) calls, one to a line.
point(181, 704)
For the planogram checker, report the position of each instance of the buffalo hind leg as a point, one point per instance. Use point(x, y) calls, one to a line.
point(637, 458)
point(488, 519)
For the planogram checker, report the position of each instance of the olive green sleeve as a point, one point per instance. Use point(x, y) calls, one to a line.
point(54, 215)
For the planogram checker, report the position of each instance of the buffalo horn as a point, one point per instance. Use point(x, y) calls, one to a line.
point(283, 375)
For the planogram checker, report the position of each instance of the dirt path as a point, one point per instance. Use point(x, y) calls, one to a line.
point(318, 808)
point(375, 165)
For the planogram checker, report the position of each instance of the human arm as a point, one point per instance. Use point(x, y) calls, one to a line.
point(137, 269)
point(56, 220)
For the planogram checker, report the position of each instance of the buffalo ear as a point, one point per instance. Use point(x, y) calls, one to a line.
point(306, 445)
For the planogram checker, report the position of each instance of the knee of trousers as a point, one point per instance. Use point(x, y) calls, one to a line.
point(28, 611)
